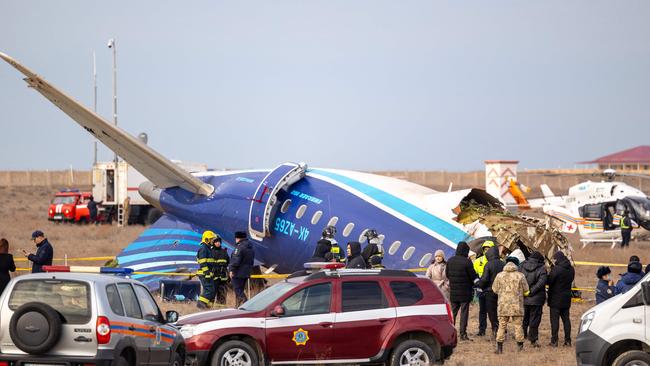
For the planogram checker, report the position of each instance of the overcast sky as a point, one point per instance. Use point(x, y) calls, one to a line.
point(370, 85)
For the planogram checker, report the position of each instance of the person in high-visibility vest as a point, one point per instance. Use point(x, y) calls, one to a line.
point(626, 229)
point(479, 265)
point(205, 259)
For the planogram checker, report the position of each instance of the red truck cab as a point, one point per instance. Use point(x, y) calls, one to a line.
point(69, 206)
point(332, 316)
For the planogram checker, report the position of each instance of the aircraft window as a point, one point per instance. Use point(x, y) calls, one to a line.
point(408, 253)
point(348, 229)
point(394, 247)
point(333, 221)
point(381, 238)
point(285, 206)
point(362, 237)
point(301, 211)
point(316, 218)
point(425, 260)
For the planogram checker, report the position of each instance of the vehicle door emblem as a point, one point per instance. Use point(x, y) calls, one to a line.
point(300, 337)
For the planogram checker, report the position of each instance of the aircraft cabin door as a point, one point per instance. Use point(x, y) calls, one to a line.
point(262, 204)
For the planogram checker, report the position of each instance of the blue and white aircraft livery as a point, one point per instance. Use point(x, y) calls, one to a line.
point(284, 209)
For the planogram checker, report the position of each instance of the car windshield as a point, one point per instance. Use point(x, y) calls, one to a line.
point(266, 297)
point(66, 200)
point(70, 298)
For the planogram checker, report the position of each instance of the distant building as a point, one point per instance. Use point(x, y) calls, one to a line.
point(637, 158)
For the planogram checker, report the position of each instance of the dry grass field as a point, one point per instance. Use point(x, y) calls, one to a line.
point(23, 210)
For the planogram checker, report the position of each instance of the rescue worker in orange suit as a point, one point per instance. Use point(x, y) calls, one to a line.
point(373, 253)
point(626, 229)
point(206, 261)
point(220, 275)
point(241, 265)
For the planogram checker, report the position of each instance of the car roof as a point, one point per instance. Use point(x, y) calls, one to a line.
point(301, 276)
point(88, 277)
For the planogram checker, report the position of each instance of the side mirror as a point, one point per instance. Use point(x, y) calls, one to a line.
point(278, 311)
point(171, 316)
point(645, 290)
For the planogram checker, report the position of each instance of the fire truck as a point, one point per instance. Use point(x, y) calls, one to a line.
point(115, 188)
point(69, 206)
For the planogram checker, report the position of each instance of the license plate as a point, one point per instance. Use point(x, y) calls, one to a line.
point(57, 217)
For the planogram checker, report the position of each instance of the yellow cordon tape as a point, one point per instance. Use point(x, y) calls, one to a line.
point(73, 259)
point(600, 264)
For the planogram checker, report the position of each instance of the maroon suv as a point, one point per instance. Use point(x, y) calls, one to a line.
point(331, 316)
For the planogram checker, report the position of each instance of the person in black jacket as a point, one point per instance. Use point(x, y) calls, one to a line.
point(493, 267)
point(462, 276)
point(6, 264)
point(534, 270)
point(323, 247)
point(44, 252)
point(241, 265)
point(559, 284)
point(354, 258)
point(220, 275)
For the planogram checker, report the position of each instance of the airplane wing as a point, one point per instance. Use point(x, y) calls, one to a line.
point(159, 170)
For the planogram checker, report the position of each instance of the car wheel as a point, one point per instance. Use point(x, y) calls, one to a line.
point(234, 353)
point(413, 353)
point(35, 327)
point(120, 361)
point(177, 360)
point(633, 358)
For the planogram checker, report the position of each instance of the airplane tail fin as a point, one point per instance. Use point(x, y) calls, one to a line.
point(158, 169)
point(546, 191)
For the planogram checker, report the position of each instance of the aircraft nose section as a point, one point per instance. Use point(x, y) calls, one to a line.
point(151, 193)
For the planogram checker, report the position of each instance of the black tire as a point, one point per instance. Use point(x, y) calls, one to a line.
point(177, 360)
point(152, 216)
point(120, 361)
point(412, 348)
point(35, 327)
point(248, 357)
point(633, 358)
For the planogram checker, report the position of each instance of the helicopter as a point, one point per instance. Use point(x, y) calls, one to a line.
point(594, 209)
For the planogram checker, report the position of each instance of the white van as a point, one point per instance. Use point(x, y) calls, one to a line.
point(617, 331)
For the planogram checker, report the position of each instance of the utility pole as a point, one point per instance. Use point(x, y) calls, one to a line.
point(94, 103)
point(118, 199)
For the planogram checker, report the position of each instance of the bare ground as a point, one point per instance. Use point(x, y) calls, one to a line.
point(23, 210)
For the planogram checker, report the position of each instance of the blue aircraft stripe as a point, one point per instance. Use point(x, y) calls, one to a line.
point(163, 231)
point(159, 237)
point(165, 242)
point(123, 260)
point(414, 213)
point(153, 243)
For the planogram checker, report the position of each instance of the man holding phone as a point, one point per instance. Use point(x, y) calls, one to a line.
point(44, 252)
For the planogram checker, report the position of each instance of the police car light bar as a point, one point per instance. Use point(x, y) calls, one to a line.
point(324, 265)
point(88, 269)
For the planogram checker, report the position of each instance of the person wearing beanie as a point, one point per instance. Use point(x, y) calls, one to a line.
point(241, 265)
point(633, 275)
point(605, 288)
point(462, 276)
point(436, 272)
point(559, 282)
point(634, 258)
point(534, 269)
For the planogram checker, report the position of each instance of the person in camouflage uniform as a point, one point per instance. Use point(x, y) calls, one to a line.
point(510, 286)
